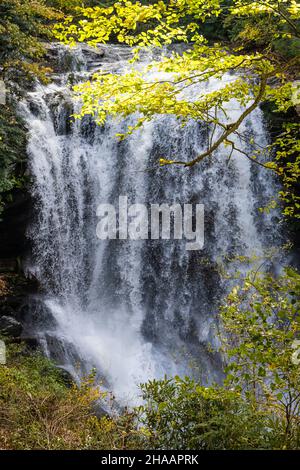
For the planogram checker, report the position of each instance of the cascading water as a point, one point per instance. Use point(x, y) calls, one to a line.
point(134, 310)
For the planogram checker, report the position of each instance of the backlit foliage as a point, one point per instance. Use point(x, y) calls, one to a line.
point(260, 75)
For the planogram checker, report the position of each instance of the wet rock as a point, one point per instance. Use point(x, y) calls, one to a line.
point(8, 265)
point(92, 53)
point(9, 326)
point(32, 344)
point(34, 108)
point(61, 108)
point(29, 345)
point(59, 349)
point(18, 290)
point(7, 310)
point(35, 315)
point(66, 376)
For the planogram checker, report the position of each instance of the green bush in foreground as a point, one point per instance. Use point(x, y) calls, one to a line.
point(181, 414)
point(257, 407)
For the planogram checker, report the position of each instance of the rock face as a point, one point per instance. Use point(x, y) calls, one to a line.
point(13, 301)
point(9, 326)
point(16, 289)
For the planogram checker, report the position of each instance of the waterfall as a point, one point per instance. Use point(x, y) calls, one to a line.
point(134, 310)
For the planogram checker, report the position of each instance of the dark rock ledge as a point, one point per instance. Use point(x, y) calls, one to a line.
point(14, 286)
point(18, 290)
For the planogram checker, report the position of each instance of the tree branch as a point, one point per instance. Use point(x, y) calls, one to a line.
point(230, 129)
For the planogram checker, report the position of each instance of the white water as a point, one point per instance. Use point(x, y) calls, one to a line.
point(133, 309)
